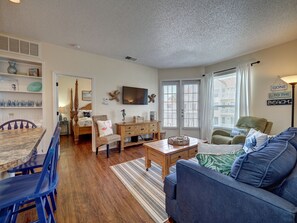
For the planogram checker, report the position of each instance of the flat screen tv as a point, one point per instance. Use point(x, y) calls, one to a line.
point(134, 96)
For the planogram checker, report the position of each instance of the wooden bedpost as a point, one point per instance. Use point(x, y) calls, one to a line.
point(76, 127)
point(71, 111)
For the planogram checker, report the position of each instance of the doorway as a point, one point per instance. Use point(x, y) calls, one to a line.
point(63, 103)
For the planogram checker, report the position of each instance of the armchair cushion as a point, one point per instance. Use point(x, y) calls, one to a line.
point(267, 166)
point(252, 122)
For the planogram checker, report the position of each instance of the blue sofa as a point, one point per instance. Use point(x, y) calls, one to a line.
point(198, 194)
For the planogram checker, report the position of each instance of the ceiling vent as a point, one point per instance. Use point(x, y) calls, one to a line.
point(15, 45)
point(130, 58)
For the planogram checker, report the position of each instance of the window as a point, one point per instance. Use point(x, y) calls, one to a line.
point(190, 103)
point(224, 99)
point(170, 104)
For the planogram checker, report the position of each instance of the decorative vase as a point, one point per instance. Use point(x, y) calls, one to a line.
point(11, 68)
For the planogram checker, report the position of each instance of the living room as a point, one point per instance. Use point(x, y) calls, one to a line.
point(277, 58)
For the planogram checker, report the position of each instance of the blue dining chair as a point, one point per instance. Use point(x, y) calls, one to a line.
point(17, 123)
point(35, 161)
point(31, 188)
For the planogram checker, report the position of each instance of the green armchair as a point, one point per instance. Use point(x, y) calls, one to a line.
point(220, 136)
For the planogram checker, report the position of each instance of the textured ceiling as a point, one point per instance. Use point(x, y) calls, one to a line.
point(159, 33)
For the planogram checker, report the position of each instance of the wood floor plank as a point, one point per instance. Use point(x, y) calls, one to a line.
point(88, 190)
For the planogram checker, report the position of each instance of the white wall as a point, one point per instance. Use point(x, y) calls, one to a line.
point(279, 60)
point(106, 74)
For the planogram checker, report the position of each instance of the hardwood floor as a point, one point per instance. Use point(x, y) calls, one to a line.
point(88, 190)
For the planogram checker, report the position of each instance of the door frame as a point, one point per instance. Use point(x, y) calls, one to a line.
point(55, 75)
point(179, 129)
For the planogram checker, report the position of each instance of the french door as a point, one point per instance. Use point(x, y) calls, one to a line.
point(180, 107)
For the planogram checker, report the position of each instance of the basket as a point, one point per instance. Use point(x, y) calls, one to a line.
point(179, 140)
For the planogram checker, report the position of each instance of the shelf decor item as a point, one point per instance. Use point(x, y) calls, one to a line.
point(35, 86)
point(179, 140)
point(34, 72)
point(12, 67)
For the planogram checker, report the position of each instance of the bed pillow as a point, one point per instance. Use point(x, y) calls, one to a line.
point(254, 140)
point(105, 127)
point(87, 114)
point(84, 113)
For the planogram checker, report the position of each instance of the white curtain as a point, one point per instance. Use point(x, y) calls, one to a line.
point(206, 120)
point(243, 93)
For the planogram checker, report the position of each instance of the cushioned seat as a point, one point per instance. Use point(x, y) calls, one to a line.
point(105, 139)
point(262, 187)
point(220, 136)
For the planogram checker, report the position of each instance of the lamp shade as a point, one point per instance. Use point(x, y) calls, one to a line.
point(290, 79)
point(15, 1)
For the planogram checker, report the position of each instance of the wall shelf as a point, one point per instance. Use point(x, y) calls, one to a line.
point(21, 107)
point(19, 75)
point(23, 92)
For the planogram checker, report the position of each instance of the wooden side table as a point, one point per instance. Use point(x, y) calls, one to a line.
point(64, 127)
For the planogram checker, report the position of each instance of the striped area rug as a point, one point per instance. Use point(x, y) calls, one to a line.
point(145, 186)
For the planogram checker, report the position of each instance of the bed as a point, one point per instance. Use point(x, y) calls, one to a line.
point(80, 124)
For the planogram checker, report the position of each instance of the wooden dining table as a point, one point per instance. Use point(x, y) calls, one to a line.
point(17, 146)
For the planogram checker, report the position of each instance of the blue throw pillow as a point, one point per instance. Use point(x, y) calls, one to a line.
point(288, 189)
point(289, 135)
point(267, 166)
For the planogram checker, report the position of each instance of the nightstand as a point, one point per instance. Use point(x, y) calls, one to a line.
point(64, 127)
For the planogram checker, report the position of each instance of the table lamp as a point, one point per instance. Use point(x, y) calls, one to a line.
point(292, 80)
point(62, 110)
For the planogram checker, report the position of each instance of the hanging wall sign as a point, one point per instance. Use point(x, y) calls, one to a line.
point(280, 95)
point(279, 102)
point(279, 85)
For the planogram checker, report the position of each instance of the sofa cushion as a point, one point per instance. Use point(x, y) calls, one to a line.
point(219, 162)
point(254, 140)
point(288, 135)
point(170, 186)
point(267, 166)
point(288, 189)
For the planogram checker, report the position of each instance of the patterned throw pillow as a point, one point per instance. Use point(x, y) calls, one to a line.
point(221, 163)
point(238, 131)
point(105, 127)
point(254, 140)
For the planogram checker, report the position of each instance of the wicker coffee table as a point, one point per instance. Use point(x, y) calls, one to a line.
point(166, 155)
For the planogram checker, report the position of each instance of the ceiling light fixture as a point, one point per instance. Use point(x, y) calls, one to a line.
point(15, 1)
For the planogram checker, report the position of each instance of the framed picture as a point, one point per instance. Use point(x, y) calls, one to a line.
point(86, 95)
point(34, 72)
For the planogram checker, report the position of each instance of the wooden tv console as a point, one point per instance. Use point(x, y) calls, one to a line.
point(130, 129)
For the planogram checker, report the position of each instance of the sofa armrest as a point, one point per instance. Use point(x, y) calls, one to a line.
point(221, 132)
point(239, 139)
point(204, 195)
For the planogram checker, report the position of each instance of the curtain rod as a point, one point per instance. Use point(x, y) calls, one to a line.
point(235, 67)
